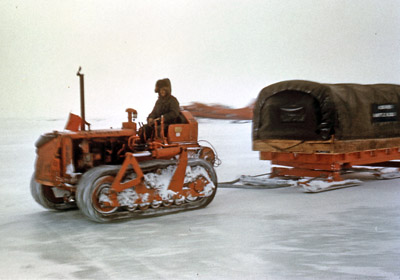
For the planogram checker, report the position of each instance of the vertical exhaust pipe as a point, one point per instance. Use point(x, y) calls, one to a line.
point(82, 86)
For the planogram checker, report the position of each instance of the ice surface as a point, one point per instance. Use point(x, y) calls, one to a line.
point(281, 233)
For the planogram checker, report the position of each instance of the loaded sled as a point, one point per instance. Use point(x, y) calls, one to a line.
point(318, 133)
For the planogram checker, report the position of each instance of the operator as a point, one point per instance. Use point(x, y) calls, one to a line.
point(166, 106)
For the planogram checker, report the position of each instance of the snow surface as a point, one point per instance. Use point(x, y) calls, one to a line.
point(281, 233)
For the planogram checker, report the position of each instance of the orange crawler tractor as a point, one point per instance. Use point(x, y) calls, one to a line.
point(111, 174)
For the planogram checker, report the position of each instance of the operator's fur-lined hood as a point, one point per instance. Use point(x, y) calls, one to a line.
point(163, 83)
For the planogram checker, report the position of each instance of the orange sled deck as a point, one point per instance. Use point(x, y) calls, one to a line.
point(321, 165)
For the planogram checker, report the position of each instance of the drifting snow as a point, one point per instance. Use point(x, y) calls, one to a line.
point(320, 185)
point(266, 181)
point(388, 173)
point(307, 184)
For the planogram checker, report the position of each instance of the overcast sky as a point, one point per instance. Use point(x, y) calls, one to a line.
point(214, 51)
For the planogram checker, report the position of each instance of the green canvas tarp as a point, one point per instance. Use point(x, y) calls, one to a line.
point(305, 110)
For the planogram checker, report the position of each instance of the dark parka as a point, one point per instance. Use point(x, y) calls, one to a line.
point(167, 106)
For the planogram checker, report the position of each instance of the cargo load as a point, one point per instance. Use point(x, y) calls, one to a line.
point(304, 110)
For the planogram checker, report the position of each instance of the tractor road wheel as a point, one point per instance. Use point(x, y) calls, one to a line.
point(92, 193)
point(44, 196)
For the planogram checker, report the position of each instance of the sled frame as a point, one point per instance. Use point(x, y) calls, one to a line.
point(328, 165)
